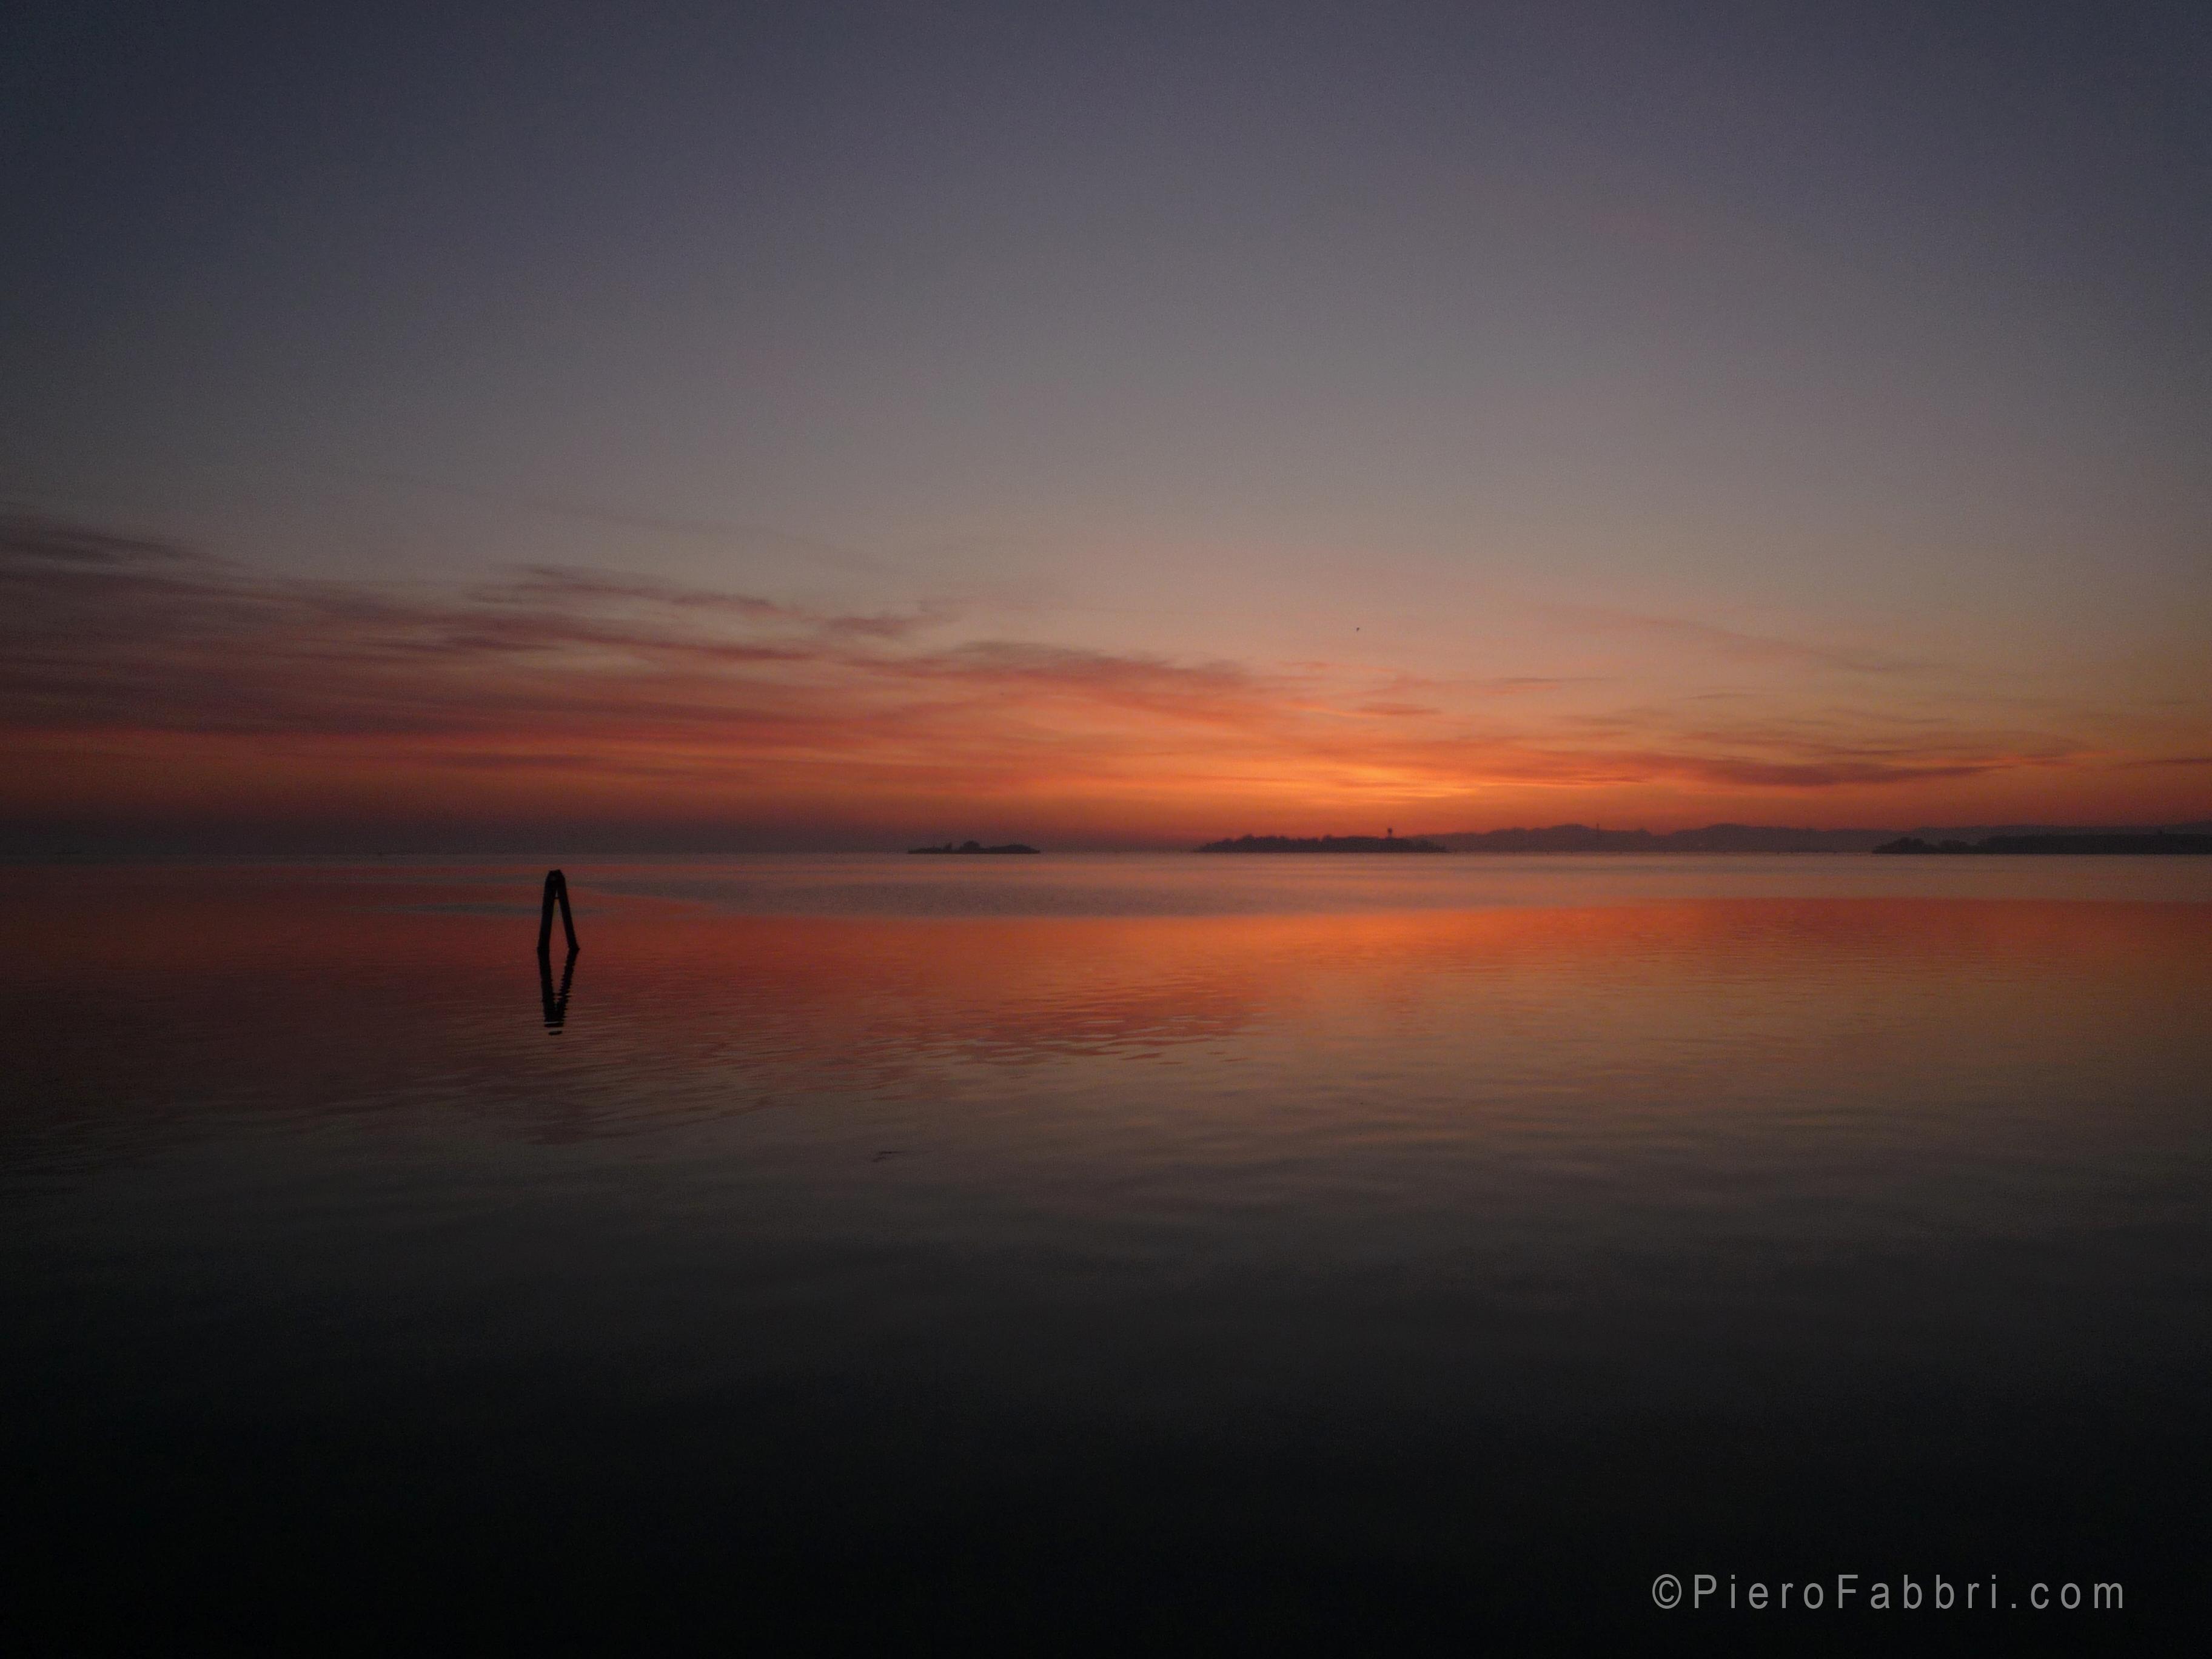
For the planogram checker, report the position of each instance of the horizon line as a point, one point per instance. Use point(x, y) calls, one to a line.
point(96, 847)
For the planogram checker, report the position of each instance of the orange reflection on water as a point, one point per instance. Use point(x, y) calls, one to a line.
point(331, 986)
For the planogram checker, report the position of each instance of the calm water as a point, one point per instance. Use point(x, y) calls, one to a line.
point(1171, 1252)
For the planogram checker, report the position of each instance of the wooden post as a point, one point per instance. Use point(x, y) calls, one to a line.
point(556, 887)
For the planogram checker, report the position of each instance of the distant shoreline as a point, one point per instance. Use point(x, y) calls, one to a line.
point(2057, 846)
point(967, 848)
point(1738, 838)
point(1321, 844)
point(1773, 838)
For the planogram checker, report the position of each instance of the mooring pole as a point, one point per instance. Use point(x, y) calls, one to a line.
point(556, 887)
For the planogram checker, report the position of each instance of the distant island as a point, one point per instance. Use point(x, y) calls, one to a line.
point(1389, 843)
point(973, 847)
point(2093, 842)
point(1713, 838)
point(1768, 838)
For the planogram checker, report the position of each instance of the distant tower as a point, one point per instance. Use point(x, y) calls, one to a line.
point(1387, 834)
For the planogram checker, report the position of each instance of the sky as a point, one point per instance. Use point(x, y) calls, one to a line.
point(713, 427)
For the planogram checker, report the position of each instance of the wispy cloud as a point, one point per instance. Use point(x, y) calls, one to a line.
point(30, 537)
point(726, 532)
point(566, 588)
point(658, 698)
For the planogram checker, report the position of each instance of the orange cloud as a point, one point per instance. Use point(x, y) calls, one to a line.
point(152, 690)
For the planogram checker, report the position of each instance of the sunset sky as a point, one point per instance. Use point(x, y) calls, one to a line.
point(713, 427)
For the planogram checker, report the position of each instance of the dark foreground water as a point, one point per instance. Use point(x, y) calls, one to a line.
point(1149, 1253)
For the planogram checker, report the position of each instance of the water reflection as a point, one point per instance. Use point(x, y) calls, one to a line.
point(1434, 1021)
point(555, 1003)
point(1276, 1237)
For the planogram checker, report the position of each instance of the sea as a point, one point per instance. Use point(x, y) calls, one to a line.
point(1129, 1252)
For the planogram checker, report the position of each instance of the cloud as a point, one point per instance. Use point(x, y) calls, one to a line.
point(759, 537)
point(566, 588)
point(31, 537)
point(1813, 774)
point(137, 671)
point(1396, 710)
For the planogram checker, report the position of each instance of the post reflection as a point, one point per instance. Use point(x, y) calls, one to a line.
point(554, 1002)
